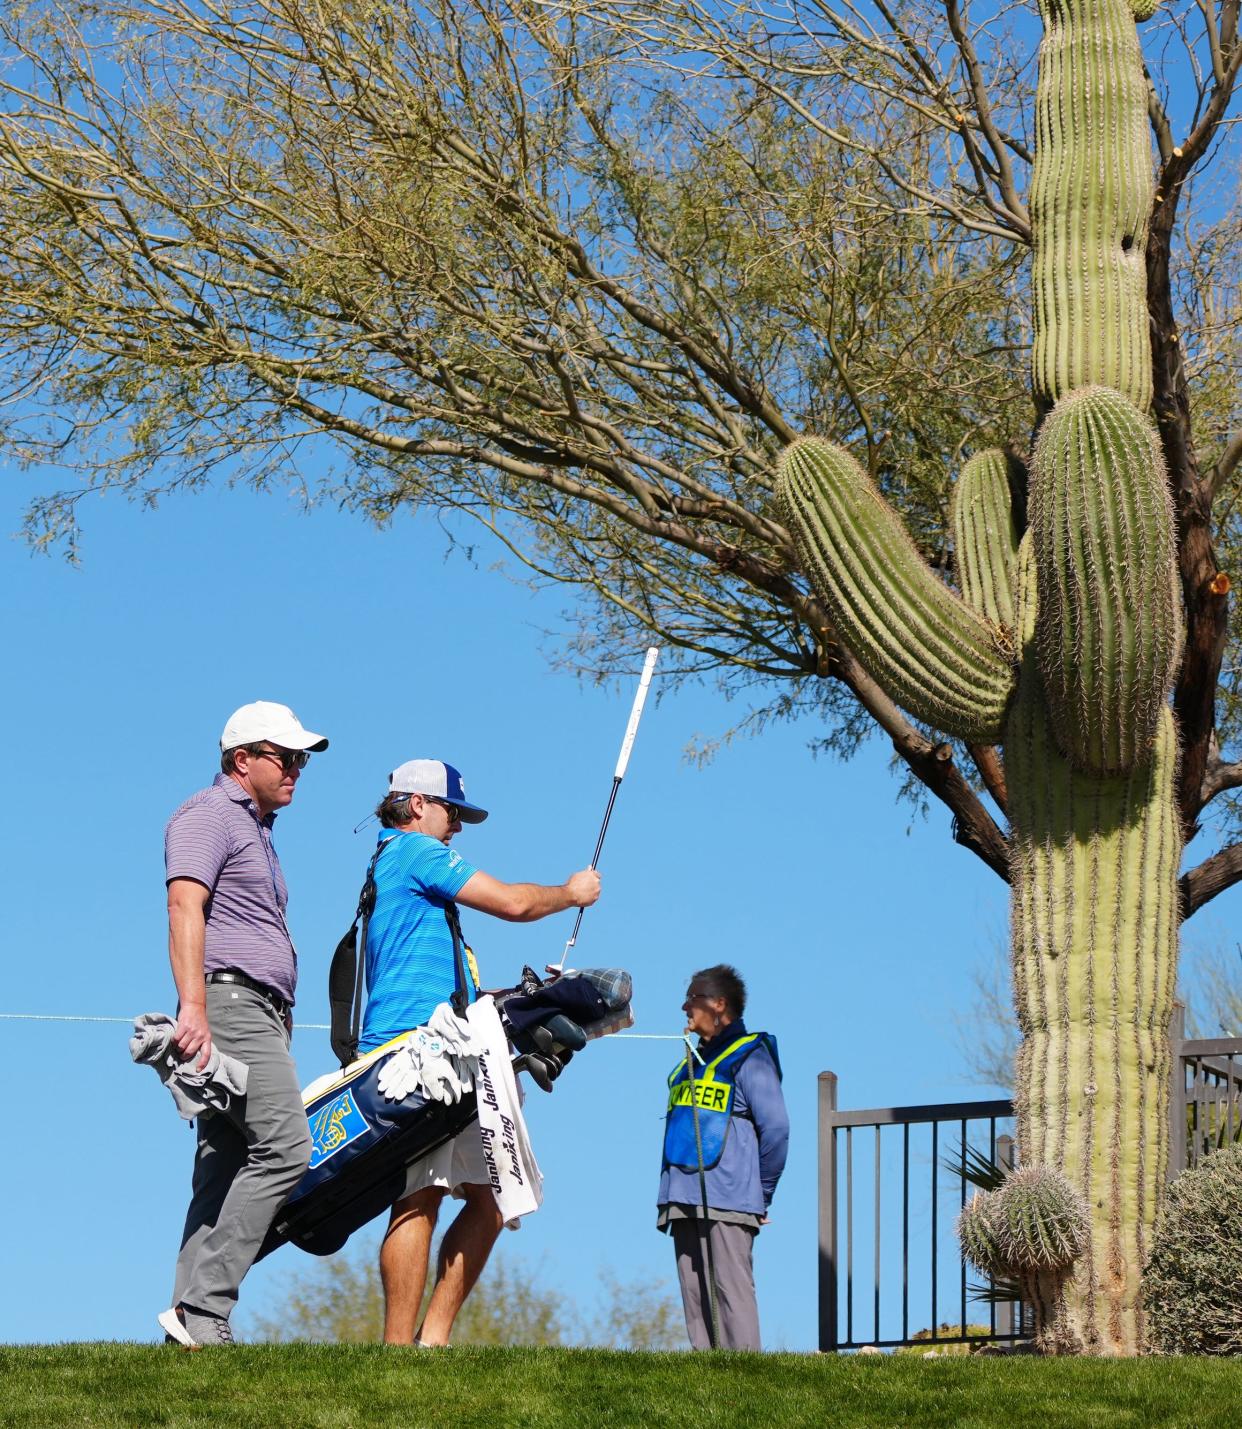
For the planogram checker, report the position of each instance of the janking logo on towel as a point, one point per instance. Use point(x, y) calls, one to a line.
point(334, 1125)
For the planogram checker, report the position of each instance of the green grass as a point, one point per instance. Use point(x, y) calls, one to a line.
point(368, 1386)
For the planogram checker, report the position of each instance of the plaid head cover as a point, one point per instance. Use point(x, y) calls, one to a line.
point(616, 987)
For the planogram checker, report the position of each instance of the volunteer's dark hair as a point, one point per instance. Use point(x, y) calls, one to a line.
point(722, 981)
point(393, 810)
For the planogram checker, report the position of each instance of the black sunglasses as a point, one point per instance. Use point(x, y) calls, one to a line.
point(453, 811)
point(290, 759)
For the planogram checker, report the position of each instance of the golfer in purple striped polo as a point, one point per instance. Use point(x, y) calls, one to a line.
point(236, 969)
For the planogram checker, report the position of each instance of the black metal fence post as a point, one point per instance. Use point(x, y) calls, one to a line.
point(827, 1212)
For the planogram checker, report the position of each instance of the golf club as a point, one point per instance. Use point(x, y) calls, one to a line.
point(627, 744)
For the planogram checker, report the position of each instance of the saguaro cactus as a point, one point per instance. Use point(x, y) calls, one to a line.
point(1067, 646)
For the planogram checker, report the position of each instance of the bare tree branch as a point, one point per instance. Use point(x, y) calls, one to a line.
point(1214, 875)
point(1218, 474)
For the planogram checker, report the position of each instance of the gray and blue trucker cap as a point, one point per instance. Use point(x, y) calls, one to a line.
point(437, 779)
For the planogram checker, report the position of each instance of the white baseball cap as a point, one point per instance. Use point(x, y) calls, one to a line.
point(277, 724)
point(438, 780)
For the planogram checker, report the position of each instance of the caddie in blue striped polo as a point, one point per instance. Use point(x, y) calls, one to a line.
point(236, 969)
point(411, 967)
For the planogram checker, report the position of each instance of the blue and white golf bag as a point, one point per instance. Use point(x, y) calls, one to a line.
point(364, 1144)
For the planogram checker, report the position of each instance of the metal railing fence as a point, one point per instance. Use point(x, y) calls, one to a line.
point(870, 1160)
point(881, 1143)
point(1205, 1096)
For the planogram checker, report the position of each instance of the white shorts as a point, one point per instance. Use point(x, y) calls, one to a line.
point(456, 1164)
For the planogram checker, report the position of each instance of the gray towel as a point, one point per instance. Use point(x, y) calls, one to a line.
point(195, 1093)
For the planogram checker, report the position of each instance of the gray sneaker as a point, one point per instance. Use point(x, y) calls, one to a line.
point(195, 1329)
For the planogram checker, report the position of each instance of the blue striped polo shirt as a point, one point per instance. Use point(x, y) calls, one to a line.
point(410, 963)
point(218, 839)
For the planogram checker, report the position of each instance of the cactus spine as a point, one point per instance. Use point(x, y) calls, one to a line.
point(1094, 625)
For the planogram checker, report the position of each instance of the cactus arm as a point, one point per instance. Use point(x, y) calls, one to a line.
point(985, 542)
point(1091, 194)
point(1109, 630)
point(934, 656)
point(985, 546)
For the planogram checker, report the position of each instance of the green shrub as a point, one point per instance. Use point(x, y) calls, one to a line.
point(1192, 1287)
point(927, 1340)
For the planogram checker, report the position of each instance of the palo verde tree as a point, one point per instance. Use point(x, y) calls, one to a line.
point(583, 271)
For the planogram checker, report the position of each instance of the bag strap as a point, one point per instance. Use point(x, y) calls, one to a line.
point(461, 978)
point(345, 975)
point(366, 906)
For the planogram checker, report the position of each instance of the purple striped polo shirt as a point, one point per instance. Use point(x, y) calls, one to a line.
point(218, 839)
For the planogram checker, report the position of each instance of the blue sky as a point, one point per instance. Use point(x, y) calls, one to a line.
point(855, 925)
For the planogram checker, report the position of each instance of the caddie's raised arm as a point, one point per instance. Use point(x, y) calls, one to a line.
point(527, 902)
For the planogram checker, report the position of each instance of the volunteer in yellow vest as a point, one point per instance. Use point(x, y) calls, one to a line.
point(727, 1119)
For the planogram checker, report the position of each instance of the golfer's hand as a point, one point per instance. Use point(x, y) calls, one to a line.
point(192, 1034)
point(583, 888)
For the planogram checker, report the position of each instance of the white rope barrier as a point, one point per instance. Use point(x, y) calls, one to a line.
point(297, 1026)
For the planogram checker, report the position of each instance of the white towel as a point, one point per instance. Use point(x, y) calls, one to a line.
point(196, 1094)
point(514, 1174)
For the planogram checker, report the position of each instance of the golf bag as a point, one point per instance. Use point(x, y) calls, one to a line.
point(362, 1147)
point(363, 1144)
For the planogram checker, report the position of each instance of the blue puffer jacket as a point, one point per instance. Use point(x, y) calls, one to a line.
point(758, 1141)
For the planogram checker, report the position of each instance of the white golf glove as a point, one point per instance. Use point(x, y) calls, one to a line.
point(440, 1081)
point(439, 1061)
point(453, 1030)
point(399, 1076)
point(426, 1066)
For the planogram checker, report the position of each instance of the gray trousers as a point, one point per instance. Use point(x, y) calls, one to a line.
point(249, 1157)
point(738, 1313)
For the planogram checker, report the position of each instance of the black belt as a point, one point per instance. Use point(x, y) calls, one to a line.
point(266, 993)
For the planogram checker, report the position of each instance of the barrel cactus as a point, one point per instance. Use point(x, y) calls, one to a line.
point(1039, 1220)
point(1031, 1229)
point(976, 1230)
point(1062, 647)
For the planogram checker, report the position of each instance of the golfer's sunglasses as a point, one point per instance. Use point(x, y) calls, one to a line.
point(289, 759)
